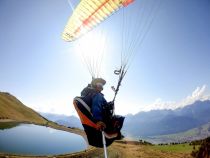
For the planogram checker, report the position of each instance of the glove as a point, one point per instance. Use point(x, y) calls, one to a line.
point(100, 125)
point(110, 105)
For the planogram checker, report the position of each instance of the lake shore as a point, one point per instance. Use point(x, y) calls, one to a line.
point(122, 148)
point(55, 126)
point(49, 124)
point(7, 120)
point(119, 149)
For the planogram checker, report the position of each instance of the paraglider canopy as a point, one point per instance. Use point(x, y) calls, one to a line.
point(88, 14)
point(136, 21)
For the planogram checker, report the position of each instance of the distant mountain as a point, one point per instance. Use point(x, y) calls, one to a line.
point(162, 122)
point(182, 122)
point(68, 121)
point(12, 108)
point(198, 133)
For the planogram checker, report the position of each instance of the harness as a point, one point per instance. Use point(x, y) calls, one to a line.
point(86, 99)
point(88, 95)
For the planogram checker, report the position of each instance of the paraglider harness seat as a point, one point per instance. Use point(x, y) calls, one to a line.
point(93, 135)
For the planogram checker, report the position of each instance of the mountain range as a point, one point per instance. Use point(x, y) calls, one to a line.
point(162, 122)
point(187, 123)
point(68, 121)
point(156, 122)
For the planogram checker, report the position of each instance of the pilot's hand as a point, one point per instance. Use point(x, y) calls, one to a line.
point(100, 125)
point(111, 104)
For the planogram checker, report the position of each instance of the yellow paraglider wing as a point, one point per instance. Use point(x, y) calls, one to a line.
point(88, 14)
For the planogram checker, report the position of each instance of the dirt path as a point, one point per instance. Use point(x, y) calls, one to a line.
point(7, 120)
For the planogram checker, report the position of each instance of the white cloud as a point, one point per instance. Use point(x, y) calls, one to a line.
point(64, 105)
point(198, 94)
point(159, 104)
point(59, 105)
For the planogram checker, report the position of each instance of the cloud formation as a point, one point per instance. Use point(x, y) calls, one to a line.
point(198, 94)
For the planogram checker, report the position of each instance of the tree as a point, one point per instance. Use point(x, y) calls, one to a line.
point(204, 150)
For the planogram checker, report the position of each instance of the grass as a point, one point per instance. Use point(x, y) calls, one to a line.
point(7, 125)
point(182, 148)
point(118, 150)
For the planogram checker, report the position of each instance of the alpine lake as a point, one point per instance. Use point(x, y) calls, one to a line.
point(30, 139)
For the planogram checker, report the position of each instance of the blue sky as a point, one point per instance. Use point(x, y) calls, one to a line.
point(171, 67)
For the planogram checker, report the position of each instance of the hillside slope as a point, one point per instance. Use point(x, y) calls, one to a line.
point(12, 108)
point(189, 135)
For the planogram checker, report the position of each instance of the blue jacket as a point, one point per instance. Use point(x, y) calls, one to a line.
point(97, 106)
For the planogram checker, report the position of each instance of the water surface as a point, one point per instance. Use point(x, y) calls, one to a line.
point(29, 139)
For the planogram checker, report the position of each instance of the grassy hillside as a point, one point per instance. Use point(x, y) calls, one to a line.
point(130, 150)
point(12, 108)
point(182, 148)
